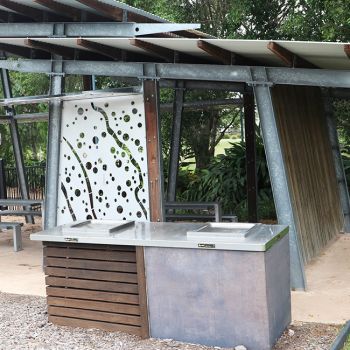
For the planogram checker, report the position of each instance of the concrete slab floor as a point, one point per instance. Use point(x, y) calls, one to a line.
point(327, 299)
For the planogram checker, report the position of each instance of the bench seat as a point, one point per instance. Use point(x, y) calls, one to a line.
point(17, 235)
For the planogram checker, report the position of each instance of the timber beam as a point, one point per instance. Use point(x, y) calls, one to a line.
point(108, 51)
point(164, 53)
point(289, 58)
point(224, 56)
point(219, 54)
point(23, 51)
point(7, 16)
point(70, 11)
point(65, 52)
point(31, 12)
point(152, 49)
point(117, 13)
point(347, 50)
point(112, 52)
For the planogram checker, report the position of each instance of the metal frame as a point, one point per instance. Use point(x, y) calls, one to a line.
point(16, 142)
point(195, 76)
point(88, 29)
point(53, 145)
point(182, 71)
point(279, 181)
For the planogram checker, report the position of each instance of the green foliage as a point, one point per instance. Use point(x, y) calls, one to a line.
point(225, 181)
point(33, 136)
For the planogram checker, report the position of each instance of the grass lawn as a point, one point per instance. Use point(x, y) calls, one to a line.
point(347, 344)
point(219, 149)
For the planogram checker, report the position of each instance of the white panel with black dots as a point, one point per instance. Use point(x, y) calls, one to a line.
point(103, 160)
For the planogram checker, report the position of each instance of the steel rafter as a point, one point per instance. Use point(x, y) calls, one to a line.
point(88, 29)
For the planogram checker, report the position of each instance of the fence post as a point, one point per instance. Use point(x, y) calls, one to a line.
point(3, 192)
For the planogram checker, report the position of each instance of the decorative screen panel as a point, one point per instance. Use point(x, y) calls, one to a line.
point(103, 160)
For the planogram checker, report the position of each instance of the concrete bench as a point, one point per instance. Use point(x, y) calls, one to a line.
point(17, 236)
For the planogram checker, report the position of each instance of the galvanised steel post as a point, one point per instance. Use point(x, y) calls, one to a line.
point(53, 144)
point(279, 181)
point(175, 145)
point(337, 158)
point(16, 142)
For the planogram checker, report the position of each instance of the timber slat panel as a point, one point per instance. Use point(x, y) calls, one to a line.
point(90, 264)
point(141, 275)
point(94, 285)
point(93, 295)
point(92, 275)
point(89, 254)
point(95, 315)
point(310, 168)
point(110, 327)
point(94, 305)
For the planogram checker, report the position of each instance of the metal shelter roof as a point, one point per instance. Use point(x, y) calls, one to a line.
point(324, 55)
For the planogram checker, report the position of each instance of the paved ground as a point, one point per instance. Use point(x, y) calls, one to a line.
point(327, 299)
point(21, 272)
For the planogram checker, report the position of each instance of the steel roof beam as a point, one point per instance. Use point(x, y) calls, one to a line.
point(88, 29)
point(200, 72)
point(289, 58)
point(28, 11)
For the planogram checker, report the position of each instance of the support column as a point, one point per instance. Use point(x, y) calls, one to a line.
point(250, 141)
point(337, 158)
point(53, 145)
point(155, 177)
point(175, 145)
point(279, 181)
point(89, 82)
point(16, 142)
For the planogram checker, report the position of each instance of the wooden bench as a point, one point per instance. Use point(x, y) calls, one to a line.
point(17, 236)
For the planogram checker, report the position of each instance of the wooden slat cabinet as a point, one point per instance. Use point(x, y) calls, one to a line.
point(96, 286)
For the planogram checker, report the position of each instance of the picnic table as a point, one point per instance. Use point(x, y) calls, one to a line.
point(30, 207)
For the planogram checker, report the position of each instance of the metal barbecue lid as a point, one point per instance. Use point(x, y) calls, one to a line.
point(224, 231)
point(96, 227)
